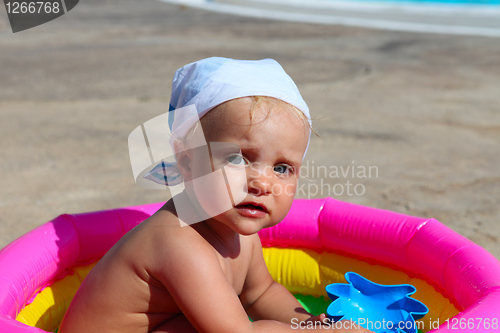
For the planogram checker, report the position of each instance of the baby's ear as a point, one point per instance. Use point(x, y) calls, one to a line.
point(183, 157)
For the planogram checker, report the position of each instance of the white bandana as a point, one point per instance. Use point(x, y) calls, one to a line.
point(200, 86)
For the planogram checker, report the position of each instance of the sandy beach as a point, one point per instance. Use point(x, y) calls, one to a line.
point(421, 111)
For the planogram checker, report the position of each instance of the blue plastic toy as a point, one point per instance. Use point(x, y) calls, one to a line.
point(379, 308)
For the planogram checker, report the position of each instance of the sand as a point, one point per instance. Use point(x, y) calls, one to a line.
point(422, 110)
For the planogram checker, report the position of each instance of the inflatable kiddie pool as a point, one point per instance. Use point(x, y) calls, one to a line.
point(317, 243)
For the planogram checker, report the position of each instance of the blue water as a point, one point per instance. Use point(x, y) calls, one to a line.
point(447, 2)
point(461, 2)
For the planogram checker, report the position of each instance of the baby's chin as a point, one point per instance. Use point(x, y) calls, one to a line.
point(248, 231)
point(248, 228)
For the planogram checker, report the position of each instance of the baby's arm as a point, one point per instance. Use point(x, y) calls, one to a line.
point(263, 298)
point(266, 299)
point(190, 270)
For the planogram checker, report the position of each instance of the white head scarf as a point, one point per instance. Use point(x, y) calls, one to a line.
point(200, 86)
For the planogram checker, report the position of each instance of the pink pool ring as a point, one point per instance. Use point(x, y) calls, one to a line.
point(329, 235)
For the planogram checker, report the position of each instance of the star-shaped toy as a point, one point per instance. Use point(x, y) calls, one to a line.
point(379, 308)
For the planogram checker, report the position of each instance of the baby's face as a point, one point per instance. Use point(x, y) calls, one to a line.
point(261, 159)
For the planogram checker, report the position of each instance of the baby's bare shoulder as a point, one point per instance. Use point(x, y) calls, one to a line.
point(161, 240)
point(133, 265)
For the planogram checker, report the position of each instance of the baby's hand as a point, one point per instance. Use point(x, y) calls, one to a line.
point(321, 318)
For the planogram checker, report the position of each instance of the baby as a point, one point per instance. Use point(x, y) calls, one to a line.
point(238, 155)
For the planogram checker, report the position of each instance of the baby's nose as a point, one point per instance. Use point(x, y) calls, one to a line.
point(259, 182)
point(259, 188)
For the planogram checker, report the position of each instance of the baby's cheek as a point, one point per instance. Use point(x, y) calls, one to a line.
point(237, 183)
point(288, 189)
point(212, 193)
point(284, 196)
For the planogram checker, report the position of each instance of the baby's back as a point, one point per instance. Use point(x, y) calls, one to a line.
point(121, 293)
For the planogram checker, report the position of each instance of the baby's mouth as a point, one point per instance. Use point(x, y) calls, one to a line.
point(253, 207)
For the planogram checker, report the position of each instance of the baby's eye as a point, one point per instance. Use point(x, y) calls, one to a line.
point(236, 159)
point(283, 169)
